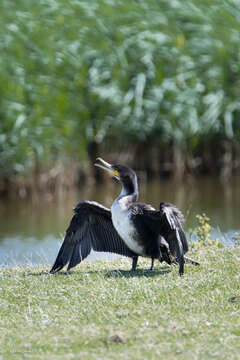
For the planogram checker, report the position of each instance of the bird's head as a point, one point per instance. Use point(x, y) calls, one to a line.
point(122, 173)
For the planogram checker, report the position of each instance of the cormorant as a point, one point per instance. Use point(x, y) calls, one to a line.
point(130, 228)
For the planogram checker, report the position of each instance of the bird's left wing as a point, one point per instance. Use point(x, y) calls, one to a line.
point(168, 222)
point(90, 228)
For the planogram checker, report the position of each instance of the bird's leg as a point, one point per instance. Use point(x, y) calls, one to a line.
point(134, 262)
point(152, 265)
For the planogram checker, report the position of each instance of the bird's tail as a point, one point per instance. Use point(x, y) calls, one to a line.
point(191, 261)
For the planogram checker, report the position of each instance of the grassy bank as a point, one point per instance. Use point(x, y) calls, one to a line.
point(102, 311)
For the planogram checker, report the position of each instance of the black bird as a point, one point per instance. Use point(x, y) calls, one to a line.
point(130, 228)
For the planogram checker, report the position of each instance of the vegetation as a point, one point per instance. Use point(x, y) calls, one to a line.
point(102, 311)
point(162, 75)
point(200, 236)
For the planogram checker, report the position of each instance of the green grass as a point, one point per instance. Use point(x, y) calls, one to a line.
point(102, 311)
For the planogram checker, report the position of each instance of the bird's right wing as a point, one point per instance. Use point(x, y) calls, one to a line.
point(90, 228)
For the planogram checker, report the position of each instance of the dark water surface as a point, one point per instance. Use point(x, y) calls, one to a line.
point(31, 231)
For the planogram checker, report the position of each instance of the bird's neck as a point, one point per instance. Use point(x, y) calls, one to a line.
point(129, 191)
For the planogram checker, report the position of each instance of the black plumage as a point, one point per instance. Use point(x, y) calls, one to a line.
point(129, 228)
point(90, 228)
point(163, 230)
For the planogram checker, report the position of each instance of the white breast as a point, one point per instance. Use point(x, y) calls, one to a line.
point(124, 226)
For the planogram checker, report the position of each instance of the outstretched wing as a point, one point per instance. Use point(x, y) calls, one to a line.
point(90, 228)
point(172, 220)
point(168, 222)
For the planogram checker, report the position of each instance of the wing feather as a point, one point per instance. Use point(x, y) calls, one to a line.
point(90, 228)
point(172, 220)
point(168, 222)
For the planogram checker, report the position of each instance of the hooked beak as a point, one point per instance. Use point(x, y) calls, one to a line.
point(108, 167)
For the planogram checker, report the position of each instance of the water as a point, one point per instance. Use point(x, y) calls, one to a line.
point(31, 231)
